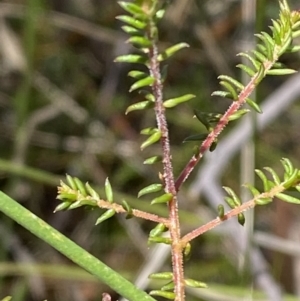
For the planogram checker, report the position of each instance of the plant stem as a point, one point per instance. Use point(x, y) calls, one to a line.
point(137, 213)
point(234, 212)
point(168, 176)
point(71, 250)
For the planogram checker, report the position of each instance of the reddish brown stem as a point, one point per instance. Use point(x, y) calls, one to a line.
point(168, 176)
point(213, 135)
point(217, 221)
point(137, 213)
point(234, 212)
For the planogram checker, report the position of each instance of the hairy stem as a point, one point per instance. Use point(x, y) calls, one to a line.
point(137, 213)
point(234, 212)
point(213, 135)
point(168, 176)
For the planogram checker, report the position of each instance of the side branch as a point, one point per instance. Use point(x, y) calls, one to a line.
point(213, 135)
point(137, 213)
point(234, 212)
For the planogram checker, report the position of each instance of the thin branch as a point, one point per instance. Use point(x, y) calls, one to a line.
point(137, 213)
point(234, 212)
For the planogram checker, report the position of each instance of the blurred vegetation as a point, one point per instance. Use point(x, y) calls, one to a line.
point(62, 103)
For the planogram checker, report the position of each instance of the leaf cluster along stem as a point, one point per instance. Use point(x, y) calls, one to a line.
point(234, 212)
point(224, 120)
point(168, 176)
point(213, 135)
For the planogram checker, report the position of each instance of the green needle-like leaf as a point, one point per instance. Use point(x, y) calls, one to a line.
point(171, 51)
point(150, 189)
point(173, 102)
point(144, 82)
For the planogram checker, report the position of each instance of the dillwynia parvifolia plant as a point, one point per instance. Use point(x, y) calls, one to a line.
point(141, 24)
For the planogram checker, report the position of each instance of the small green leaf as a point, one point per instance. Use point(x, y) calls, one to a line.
point(253, 190)
point(234, 197)
point(71, 182)
point(149, 131)
point(194, 283)
point(221, 211)
point(81, 203)
point(263, 201)
point(108, 191)
point(262, 58)
point(67, 196)
point(264, 179)
point(158, 230)
point(296, 34)
point(291, 179)
point(285, 45)
point(153, 160)
point(148, 81)
point(106, 215)
point(146, 104)
point(152, 139)
point(238, 114)
point(231, 80)
point(168, 287)
point(285, 71)
point(213, 146)
point(171, 51)
point(230, 89)
point(139, 41)
point(260, 74)
point(241, 219)
point(62, 206)
point(187, 249)
point(160, 239)
point(287, 165)
point(148, 95)
point(293, 48)
point(165, 198)
point(132, 21)
point(273, 174)
point(161, 276)
point(130, 30)
point(247, 69)
point(128, 209)
point(137, 74)
point(173, 102)
point(92, 192)
point(207, 119)
point(287, 198)
point(8, 298)
point(132, 8)
point(276, 26)
point(80, 186)
point(131, 58)
point(230, 202)
point(164, 294)
point(254, 62)
point(198, 137)
point(267, 37)
point(223, 94)
point(253, 105)
point(150, 189)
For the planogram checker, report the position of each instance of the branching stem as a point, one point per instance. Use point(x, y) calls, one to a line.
point(137, 213)
point(234, 212)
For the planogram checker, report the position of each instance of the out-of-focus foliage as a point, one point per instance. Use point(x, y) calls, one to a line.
point(62, 110)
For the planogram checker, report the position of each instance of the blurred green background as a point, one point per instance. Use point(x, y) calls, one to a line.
point(62, 104)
